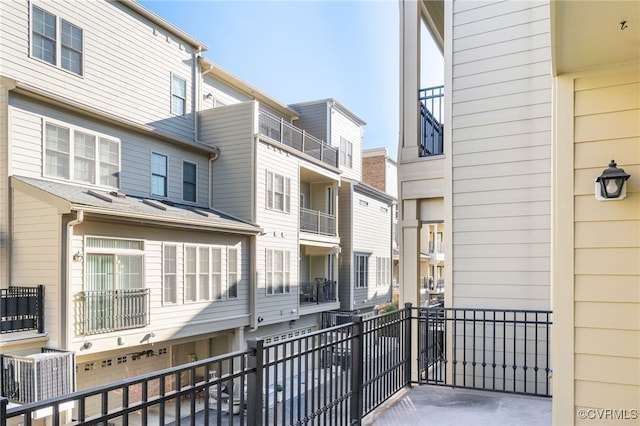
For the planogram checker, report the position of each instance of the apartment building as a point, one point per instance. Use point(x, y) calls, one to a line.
point(538, 98)
point(156, 209)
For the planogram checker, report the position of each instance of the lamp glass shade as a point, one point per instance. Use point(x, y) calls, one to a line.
point(612, 181)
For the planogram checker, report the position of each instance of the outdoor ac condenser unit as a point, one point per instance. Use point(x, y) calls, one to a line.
point(37, 377)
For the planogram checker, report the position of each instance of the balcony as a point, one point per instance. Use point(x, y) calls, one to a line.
point(343, 374)
point(289, 135)
point(317, 292)
point(317, 222)
point(22, 309)
point(112, 310)
point(431, 125)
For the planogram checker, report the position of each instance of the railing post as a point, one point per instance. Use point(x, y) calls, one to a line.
point(3, 411)
point(281, 130)
point(255, 383)
point(304, 133)
point(408, 343)
point(357, 369)
point(40, 308)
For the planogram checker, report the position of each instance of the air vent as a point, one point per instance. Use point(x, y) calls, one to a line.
point(155, 204)
point(103, 197)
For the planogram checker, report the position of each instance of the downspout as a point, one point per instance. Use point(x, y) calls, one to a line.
point(212, 157)
point(195, 91)
point(253, 286)
point(66, 289)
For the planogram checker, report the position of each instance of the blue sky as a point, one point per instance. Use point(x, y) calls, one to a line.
point(299, 51)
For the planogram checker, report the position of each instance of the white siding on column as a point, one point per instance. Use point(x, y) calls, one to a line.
point(501, 147)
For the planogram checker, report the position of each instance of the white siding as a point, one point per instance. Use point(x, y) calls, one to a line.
point(135, 81)
point(343, 126)
point(313, 119)
point(501, 146)
point(26, 136)
point(281, 233)
point(231, 129)
point(36, 254)
point(345, 263)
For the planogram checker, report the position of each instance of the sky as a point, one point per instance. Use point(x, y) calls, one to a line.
point(299, 51)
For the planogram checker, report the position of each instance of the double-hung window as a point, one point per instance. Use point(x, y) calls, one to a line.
point(56, 41)
point(81, 156)
point(178, 95)
point(383, 271)
point(232, 272)
point(169, 278)
point(361, 270)
point(277, 271)
point(278, 192)
point(158, 174)
point(346, 152)
point(189, 181)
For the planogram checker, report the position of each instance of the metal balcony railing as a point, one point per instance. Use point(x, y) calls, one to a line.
point(111, 310)
point(337, 375)
point(289, 135)
point(317, 292)
point(431, 126)
point(22, 309)
point(317, 222)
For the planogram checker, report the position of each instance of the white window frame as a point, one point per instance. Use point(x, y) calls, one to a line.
point(273, 270)
point(272, 193)
point(346, 152)
point(59, 48)
point(99, 164)
point(233, 272)
point(116, 253)
point(383, 271)
point(177, 96)
point(361, 270)
point(217, 273)
point(155, 174)
point(169, 295)
point(194, 183)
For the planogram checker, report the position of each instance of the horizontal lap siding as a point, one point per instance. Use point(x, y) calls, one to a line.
point(36, 255)
point(345, 263)
point(607, 243)
point(501, 144)
point(26, 136)
point(181, 319)
point(120, 76)
point(281, 233)
point(231, 129)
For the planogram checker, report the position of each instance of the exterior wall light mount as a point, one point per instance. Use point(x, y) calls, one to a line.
point(609, 185)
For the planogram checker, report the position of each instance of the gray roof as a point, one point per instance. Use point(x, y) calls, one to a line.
point(114, 203)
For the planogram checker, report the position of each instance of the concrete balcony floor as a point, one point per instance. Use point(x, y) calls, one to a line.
point(438, 405)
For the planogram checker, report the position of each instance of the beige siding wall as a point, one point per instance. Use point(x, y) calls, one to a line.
point(4, 166)
point(501, 148)
point(132, 83)
point(36, 233)
point(607, 243)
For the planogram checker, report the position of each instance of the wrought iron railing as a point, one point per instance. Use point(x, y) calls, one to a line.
point(492, 349)
point(317, 222)
point(111, 310)
point(317, 292)
point(289, 135)
point(431, 125)
point(22, 309)
point(334, 376)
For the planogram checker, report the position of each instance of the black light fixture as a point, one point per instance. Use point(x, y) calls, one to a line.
point(610, 183)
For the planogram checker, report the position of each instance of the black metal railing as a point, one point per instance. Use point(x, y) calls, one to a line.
point(335, 376)
point(492, 349)
point(317, 222)
point(22, 309)
point(431, 125)
point(105, 311)
point(319, 291)
point(291, 136)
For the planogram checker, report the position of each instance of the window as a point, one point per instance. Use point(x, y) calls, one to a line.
point(178, 95)
point(278, 192)
point(216, 272)
point(68, 53)
point(346, 152)
point(190, 274)
point(277, 272)
point(189, 181)
point(158, 174)
point(361, 269)
point(169, 283)
point(232, 272)
point(383, 271)
point(76, 155)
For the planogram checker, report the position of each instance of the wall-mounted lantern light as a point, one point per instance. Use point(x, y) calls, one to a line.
point(78, 257)
point(610, 183)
